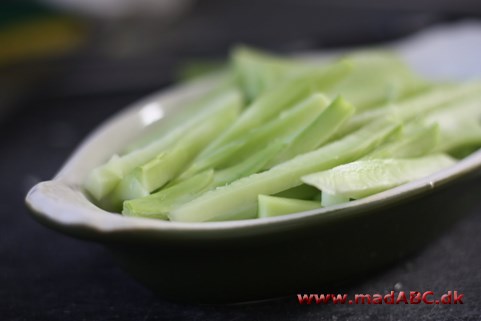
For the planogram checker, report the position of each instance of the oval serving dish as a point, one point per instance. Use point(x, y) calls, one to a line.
point(257, 259)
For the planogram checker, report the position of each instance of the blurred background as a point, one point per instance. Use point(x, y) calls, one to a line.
point(72, 49)
point(66, 65)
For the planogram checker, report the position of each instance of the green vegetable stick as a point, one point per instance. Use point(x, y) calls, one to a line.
point(157, 172)
point(286, 125)
point(414, 106)
point(279, 97)
point(419, 141)
point(459, 123)
point(241, 196)
point(377, 77)
point(319, 131)
point(270, 206)
point(103, 179)
point(389, 77)
point(290, 124)
point(258, 71)
point(159, 204)
point(225, 84)
point(249, 166)
point(366, 177)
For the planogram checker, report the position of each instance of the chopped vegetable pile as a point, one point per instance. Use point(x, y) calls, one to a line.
point(285, 135)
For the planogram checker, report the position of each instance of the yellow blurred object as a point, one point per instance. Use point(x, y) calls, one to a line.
point(39, 38)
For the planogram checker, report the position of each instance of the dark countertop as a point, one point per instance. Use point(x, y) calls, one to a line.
point(48, 276)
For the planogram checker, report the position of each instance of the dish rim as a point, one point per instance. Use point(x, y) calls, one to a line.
point(46, 202)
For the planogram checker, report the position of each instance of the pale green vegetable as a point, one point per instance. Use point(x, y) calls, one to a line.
point(288, 92)
point(288, 124)
point(415, 106)
point(376, 78)
point(167, 165)
point(418, 140)
point(459, 123)
point(212, 160)
point(251, 165)
point(197, 184)
point(224, 84)
point(389, 77)
point(103, 179)
point(270, 206)
point(218, 159)
point(366, 177)
point(331, 200)
point(318, 132)
point(258, 71)
point(159, 204)
point(241, 196)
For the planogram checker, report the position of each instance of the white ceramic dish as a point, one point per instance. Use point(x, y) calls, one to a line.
point(228, 249)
